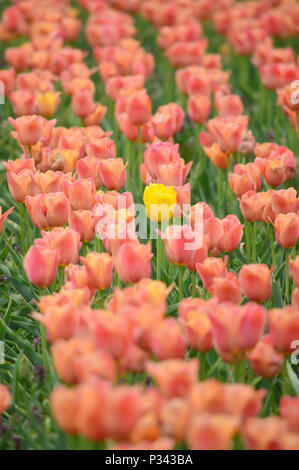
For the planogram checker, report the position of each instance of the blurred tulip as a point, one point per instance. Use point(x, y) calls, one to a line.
point(210, 269)
point(5, 399)
point(264, 359)
point(199, 108)
point(174, 377)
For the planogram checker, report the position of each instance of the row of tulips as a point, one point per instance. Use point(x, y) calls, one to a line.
point(101, 334)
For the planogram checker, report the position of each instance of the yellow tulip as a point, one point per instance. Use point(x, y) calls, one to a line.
point(48, 102)
point(160, 202)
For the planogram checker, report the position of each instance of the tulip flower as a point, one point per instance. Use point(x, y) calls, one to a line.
point(294, 270)
point(167, 121)
point(226, 289)
point(31, 129)
point(236, 329)
point(255, 282)
point(227, 131)
point(286, 227)
point(83, 223)
point(40, 265)
point(99, 269)
point(245, 178)
point(102, 148)
point(160, 202)
point(23, 103)
point(133, 261)
point(174, 377)
point(212, 432)
point(82, 103)
point(264, 359)
point(48, 103)
point(113, 173)
point(63, 240)
point(80, 193)
point(289, 412)
point(48, 210)
point(199, 108)
point(5, 399)
point(3, 216)
point(283, 328)
point(138, 108)
point(210, 269)
point(233, 233)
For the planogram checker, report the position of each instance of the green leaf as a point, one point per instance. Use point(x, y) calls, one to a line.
point(277, 295)
point(294, 379)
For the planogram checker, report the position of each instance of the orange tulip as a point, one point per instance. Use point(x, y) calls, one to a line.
point(48, 210)
point(210, 269)
point(80, 193)
point(233, 233)
point(212, 432)
point(113, 173)
point(99, 269)
point(65, 241)
point(40, 265)
point(284, 328)
point(199, 108)
point(174, 377)
point(82, 222)
point(264, 359)
point(286, 227)
point(31, 129)
point(133, 261)
point(255, 282)
point(5, 398)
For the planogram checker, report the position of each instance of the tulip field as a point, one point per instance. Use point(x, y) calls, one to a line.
point(149, 225)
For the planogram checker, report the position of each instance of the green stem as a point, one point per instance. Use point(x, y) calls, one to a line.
point(61, 275)
point(287, 284)
point(285, 383)
point(181, 270)
point(117, 280)
point(199, 152)
point(99, 245)
point(45, 351)
point(271, 234)
point(84, 249)
point(247, 240)
point(194, 284)
point(21, 213)
point(254, 242)
point(28, 226)
point(159, 256)
point(219, 190)
point(202, 369)
point(140, 159)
